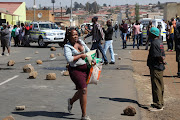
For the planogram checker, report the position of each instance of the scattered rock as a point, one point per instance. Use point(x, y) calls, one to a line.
point(53, 49)
point(28, 68)
point(129, 111)
point(52, 56)
point(36, 52)
point(27, 58)
point(8, 118)
point(119, 58)
point(20, 107)
point(66, 73)
point(11, 63)
point(39, 61)
point(33, 75)
point(51, 76)
point(58, 54)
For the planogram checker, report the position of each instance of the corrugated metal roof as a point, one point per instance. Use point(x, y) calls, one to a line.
point(10, 6)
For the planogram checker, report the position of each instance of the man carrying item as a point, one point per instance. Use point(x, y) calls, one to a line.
point(124, 28)
point(97, 36)
point(109, 41)
point(155, 62)
point(177, 45)
point(5, 39)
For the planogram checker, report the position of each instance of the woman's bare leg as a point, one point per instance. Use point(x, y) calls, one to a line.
point(83, 101)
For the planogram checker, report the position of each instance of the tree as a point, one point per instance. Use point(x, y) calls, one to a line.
point(76, 5)
point(68, 11)
point(104, 5)
point(137, 11)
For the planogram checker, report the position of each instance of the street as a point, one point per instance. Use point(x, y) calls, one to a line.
point(47, 99)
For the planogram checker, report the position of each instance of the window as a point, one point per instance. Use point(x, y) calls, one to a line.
point(35, 26)
point(44, 26)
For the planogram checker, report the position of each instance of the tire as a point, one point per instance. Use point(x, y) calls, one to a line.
point(41, 43)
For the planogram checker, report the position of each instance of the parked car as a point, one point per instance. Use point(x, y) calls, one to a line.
point(157, 23)
point(45, 33)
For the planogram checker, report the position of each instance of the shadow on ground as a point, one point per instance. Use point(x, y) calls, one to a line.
point(45, 114)
point(126, 100)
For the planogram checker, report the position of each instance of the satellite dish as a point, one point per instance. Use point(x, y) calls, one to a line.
point(39, 15)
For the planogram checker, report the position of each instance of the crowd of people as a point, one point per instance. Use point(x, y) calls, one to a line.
point(19, 33)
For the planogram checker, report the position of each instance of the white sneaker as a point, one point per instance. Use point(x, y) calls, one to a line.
point(153, 109)
point(85, 118)
point(69, 106)
point(8, 54)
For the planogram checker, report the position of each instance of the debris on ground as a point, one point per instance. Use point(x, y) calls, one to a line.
point(20, 107)
point(8, 118)
point(36, 52)
point(53, 49)
point(39, 61)
point(58, 54)
point(27, 58)
point(51, 76)
point(28, 68)
point(33, 75)
point(129, 111)
point(11, 63)
point(119, 58)
point(52, 56)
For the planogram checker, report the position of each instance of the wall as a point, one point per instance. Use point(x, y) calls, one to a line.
point(21, 11)
point(46, 15)
point(170, 10)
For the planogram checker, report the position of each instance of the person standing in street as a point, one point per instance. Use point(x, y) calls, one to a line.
point(74, 52)
point(13, 34)
point(156, 63)
point(97, 36)
point(116, 30)
point(136, 31)
point(177, 46)
point(171, 37)
point(108, 41)
point(148, 29)
point(17, 36)
point(124, 28)
point(5, 40)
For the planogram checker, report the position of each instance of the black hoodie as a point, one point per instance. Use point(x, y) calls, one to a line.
point(108, 33)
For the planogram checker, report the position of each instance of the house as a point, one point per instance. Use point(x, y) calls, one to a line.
point(13, 12)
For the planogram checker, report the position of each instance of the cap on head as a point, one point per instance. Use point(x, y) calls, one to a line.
point(154, 31)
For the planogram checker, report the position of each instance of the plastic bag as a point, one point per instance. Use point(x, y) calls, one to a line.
point(94, 74)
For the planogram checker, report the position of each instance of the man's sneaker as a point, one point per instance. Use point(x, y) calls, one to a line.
point(2, 54)
point(112, 62)
point(155, 109)
point(8, 54)
point(69, 106)
point(85, 118)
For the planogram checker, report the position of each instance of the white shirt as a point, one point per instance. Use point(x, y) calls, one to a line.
point(17, 31)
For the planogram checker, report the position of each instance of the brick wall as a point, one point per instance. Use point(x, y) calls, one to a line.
point(46, 15)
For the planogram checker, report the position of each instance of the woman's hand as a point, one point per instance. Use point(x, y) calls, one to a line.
point(94, 62)
point(83, 56)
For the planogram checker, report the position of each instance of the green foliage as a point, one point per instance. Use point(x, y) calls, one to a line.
point(137, 11)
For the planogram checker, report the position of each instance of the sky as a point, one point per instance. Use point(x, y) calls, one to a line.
point(30, 3)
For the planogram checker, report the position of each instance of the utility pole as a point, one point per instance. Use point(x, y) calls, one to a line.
point(71, 15)
point(34, 10)
point(53, 1)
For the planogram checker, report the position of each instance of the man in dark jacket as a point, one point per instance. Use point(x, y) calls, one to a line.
point(5, 39)
point(108, 38)
point(177, 45)
point(155, 62)
point(124, 29)
point(97, 36)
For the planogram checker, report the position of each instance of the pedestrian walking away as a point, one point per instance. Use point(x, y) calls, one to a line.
point(74, 52)
point(5, 39)
point(124, 28)
point(108, 41)
point(116, 30)
point(97, 36)
point(156, 62)
point(171, 36)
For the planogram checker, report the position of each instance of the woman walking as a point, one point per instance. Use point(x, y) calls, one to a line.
point(74, 52)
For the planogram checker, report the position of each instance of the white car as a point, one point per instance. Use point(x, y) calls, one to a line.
point(46, 33)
